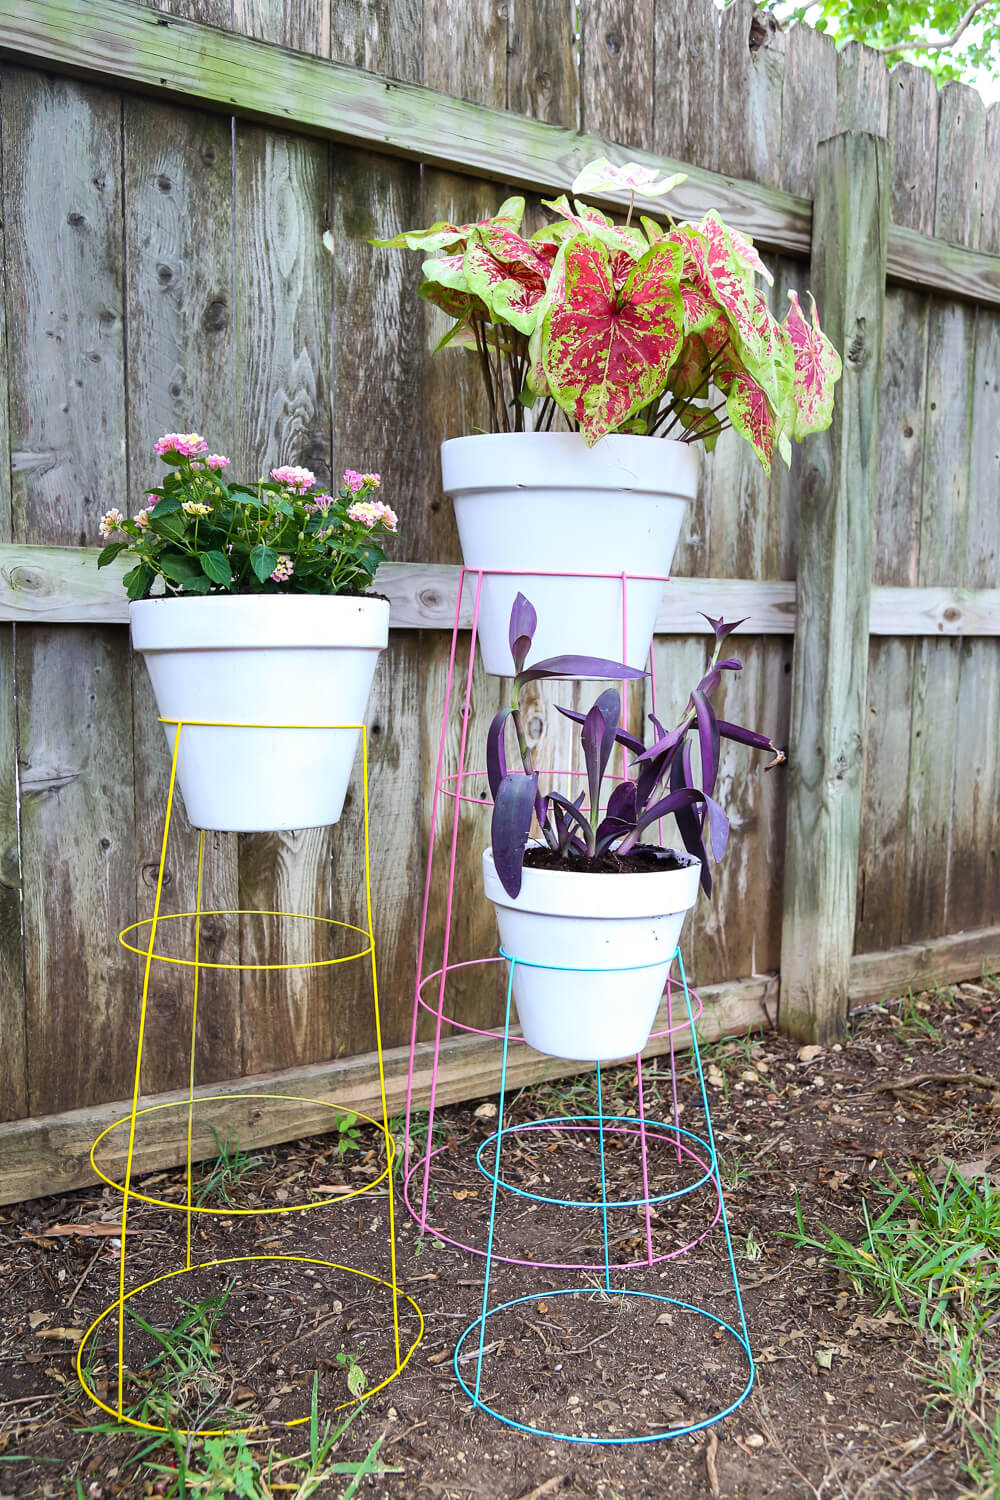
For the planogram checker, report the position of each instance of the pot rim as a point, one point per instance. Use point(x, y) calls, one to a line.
point(233, 622)
point(607, 897)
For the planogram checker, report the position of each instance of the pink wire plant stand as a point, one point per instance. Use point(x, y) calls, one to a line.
point(430, 992)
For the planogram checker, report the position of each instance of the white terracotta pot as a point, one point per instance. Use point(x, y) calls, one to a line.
point(605, 926)
point(294, 659)
point(544, 500)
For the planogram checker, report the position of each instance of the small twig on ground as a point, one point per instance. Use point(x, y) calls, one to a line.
point(547, 1487)
point(971, 1080)
point(86, 1272)
point(711, 1448)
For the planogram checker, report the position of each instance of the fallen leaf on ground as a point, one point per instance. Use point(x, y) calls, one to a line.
point(71, 1335)
point(88, 1231)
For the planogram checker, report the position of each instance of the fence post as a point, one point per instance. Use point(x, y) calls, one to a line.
point(830, 664)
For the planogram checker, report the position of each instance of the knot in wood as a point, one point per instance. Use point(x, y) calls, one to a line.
point(76, 219)
point(164, 274)
point(208, 155)
point(857, 349)
point(613, 42)
point(26, 580)
point(164, 183)
point(430, 599)
point(216, 316)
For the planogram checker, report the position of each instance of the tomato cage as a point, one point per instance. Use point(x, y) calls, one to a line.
point(614, 1199)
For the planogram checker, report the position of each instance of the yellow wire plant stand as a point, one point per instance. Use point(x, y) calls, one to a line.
point(147, 950)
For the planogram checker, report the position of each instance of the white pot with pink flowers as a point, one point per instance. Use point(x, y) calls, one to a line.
point(249, 604)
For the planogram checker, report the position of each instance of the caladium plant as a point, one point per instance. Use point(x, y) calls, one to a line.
point(638, 328)
point(661, 781)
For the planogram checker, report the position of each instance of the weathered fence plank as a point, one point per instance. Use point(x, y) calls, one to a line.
point(283, 288)
point(67, 428)
point(180, 375)
point(851, 211)
point(686, 80)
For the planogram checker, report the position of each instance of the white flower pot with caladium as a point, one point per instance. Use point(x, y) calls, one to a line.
point(263, 632)
point(617, 334)
point(588, 914)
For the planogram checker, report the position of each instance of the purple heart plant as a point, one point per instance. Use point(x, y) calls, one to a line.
point(628, 328)
point(662, 779)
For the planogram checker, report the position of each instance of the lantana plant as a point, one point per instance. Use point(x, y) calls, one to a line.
point(286, 534)
point(662, 780)
point(635, 328)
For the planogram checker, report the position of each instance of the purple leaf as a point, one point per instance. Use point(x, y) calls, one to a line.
point(513, 806)
point(496, 760)
point(688, 825)
point(598, 739)
point(622, 736)
point(721, 628)
point(746, 736)
point(523, 624)
point(674, 802)
point(662, 746)
point(718, 828)
point(708, 739)
point(731, 664)
point(577, 666)
point(571, 813)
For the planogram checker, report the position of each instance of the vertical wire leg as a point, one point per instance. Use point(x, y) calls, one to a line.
point(389, 1147)
point(189, 1200)
point(710, 1137)
point(604, 1184)
point(127, 1179)
point(673, 1056)
point(453, 855)
point(493, 1191)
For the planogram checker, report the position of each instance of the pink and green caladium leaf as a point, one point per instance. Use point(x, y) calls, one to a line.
point(445, 236)
point(722, 280)
point(817, 368)
point(607, 350)
point(750, 412)
point(508, 273)
point(602, 176)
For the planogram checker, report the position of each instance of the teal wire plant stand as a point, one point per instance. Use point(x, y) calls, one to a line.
point(615, 1295)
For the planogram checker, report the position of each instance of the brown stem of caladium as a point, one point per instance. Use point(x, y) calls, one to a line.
point(484, 361)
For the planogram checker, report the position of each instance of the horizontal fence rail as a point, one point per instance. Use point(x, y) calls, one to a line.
point(127, 45)
point(52, 585)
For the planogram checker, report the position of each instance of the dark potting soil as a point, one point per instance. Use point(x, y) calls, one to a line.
point(841, 1408)
point(645, 859)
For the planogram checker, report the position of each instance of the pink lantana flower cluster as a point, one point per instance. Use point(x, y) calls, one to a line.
point(283, 570)
point(370, 512)
point(110, 522)
point(184, 444)
point(354, 481)
point(298, 479)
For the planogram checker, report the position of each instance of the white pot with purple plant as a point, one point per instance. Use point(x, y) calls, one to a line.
point(589, 912)
point(593, 339)
point(262, 618)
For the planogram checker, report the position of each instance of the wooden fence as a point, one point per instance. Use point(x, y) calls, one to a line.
point(167, 176)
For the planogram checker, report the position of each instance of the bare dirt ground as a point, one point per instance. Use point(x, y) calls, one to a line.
point(841, 1406)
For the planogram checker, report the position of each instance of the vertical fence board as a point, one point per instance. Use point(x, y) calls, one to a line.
point(944, 523)
point(67, 440)
point(808, 104)
point(304, 25)
point(882, 892)
point(283, 281)
point(686, 81)
point(377, 369)
point(862, 90)
point(181, 325)
point(751, 65)
point(850, 231)
point(381, 36)
point(542, 80)
point(974, 880)
point(13, 1016)
point(616, 84)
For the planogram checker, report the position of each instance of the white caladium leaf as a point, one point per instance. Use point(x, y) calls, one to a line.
point(445, 236)
point(607, 350)
point(817, 368)
point(603, 176)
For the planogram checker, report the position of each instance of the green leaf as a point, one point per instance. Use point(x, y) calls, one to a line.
point(171, 526)
point(178, 568)
point(263, 560)
point(216, 566)
point(166, 505)
point(139, 581)
point(110, 552)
